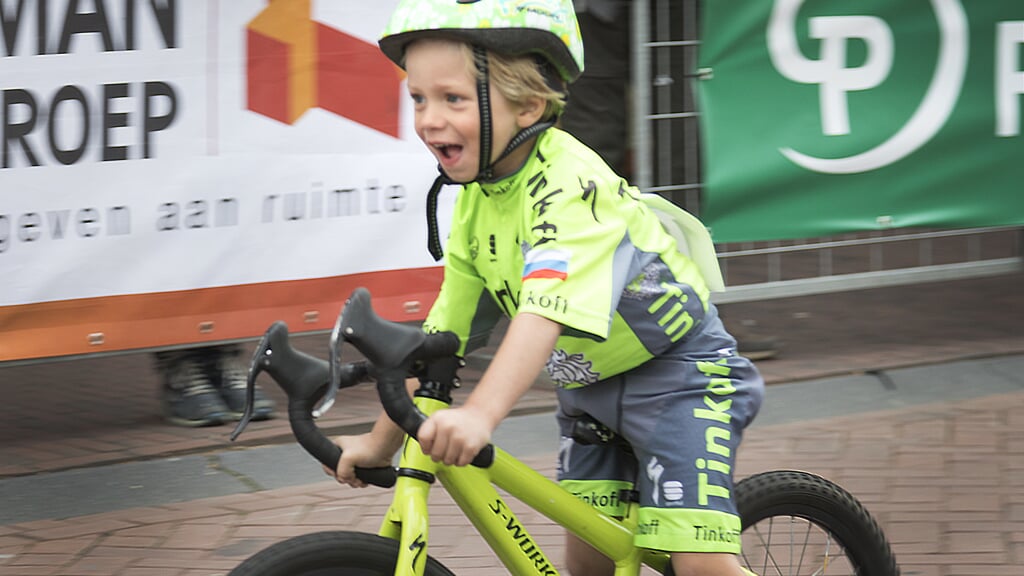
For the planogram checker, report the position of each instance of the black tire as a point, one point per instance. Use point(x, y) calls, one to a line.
point(795, 523)
point(330, 554)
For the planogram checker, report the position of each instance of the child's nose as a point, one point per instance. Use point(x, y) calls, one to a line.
point(429, 116)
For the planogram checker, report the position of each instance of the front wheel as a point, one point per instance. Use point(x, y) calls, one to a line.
point(797, 524)
point(330, 554)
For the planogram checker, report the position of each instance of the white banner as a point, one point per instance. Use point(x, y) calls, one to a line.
point(162, 147)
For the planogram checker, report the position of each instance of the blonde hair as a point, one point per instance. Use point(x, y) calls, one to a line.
point(518, 78)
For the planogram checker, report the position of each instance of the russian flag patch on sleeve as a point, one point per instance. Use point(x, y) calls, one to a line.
point(546, 264)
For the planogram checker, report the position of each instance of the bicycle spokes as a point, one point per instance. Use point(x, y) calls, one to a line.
point(793, 546)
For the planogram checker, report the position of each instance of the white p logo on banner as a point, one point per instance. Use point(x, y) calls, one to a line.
point(830, 72)
point(836, 80)
point(1009, 78)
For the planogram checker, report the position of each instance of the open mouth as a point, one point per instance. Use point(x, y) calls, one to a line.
point(448, 151)
point(448, 154)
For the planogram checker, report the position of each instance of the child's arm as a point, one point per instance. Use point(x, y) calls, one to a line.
point(455, 436)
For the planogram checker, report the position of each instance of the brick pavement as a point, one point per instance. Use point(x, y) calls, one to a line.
point(944, 479)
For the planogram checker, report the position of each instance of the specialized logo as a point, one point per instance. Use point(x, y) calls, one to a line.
point(565, 445)
point(295, 63)
point(836, 80)
point(654, 472)
point(417, 546)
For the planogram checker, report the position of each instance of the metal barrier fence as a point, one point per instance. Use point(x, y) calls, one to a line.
point(666, 159)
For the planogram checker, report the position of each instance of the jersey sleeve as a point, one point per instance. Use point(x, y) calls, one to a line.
point(463, 305)
point(577, 260)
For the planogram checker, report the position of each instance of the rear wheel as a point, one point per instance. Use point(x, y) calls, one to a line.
point(797, 524)
point(330, 554)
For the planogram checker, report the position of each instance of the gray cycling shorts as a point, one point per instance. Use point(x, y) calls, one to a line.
point(684, 417)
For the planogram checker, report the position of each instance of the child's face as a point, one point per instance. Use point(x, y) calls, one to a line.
point(443, 90)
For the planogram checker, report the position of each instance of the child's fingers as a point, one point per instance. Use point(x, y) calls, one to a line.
point(425, 435)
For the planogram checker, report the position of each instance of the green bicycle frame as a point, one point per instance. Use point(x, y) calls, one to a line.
point(473, 489)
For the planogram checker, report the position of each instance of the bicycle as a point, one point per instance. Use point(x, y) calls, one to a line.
point(793, 522)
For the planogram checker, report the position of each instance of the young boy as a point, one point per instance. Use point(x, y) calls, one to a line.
point(597, 292)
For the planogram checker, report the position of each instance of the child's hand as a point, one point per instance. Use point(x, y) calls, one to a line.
point(358, 451)
point(455, 436)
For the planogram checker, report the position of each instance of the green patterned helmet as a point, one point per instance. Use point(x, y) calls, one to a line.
point(544, 27)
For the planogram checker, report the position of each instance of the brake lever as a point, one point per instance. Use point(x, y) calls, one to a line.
point(334, 370)
point(260, 361)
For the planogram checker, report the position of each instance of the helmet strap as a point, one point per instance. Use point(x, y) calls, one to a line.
point(483, 93)
point(521, 138)
point(486, 168)
point(433, 235)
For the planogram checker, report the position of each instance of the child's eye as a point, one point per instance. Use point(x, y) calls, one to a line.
point(416, 98)
point(453, 98)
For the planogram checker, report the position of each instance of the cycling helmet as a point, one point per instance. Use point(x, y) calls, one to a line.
point(547, 28)
point(544, 28)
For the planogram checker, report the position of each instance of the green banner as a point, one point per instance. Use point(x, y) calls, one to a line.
point(830, 116)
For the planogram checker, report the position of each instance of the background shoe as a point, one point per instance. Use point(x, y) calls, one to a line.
point(229, 377)
point(761, 348)
point(188, 396)
point(754, 345)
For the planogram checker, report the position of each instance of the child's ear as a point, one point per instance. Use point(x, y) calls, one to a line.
point(531, 112)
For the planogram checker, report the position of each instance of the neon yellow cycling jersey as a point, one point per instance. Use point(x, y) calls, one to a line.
point(566, 238)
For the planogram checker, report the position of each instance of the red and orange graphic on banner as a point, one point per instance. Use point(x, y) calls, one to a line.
point(295, 64)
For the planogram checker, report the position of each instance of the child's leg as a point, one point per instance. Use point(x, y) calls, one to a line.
point(582, 560)
point(598, 474)
point(705, 564)
point(684, 418)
